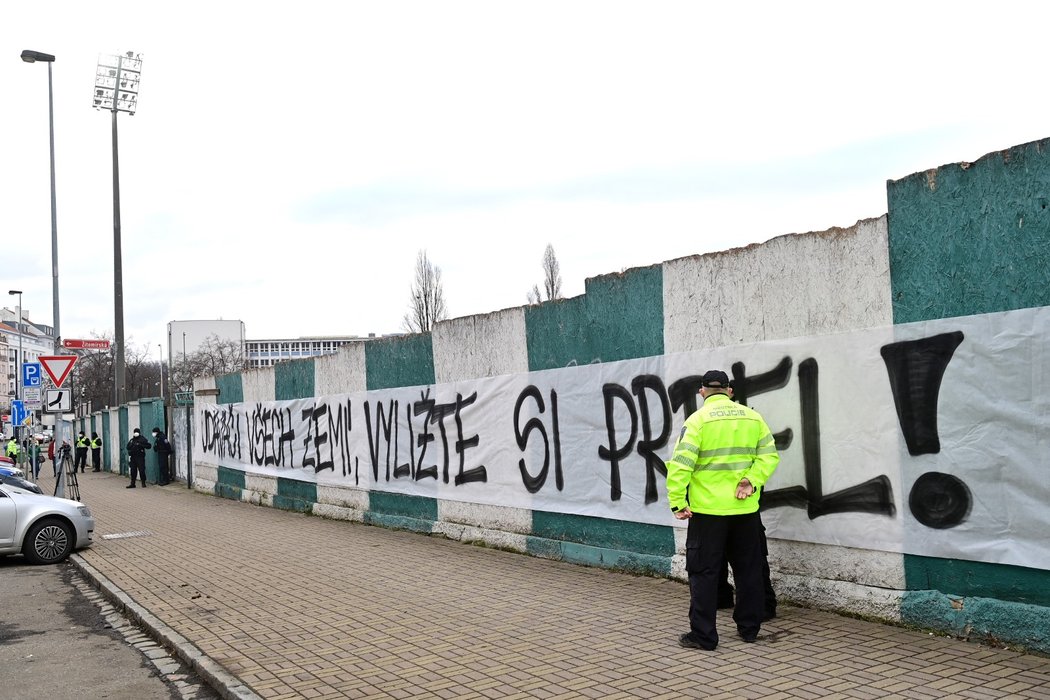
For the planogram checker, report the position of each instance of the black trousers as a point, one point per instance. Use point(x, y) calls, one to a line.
point(139, 465)
point(80, 458)
point(709, 540)
point(96, 458)
point(725, 590)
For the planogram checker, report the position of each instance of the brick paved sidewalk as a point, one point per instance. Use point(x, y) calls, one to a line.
point(295, 606)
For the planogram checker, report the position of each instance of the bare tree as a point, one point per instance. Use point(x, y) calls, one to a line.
point(551, 278)
point(212, 357)
point(427, 304)
point(92, 375)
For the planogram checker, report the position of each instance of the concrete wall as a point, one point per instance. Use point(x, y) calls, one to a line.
point(958, 240)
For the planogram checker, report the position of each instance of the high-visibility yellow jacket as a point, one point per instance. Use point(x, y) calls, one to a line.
point(96, 443)
point(12, 448)
point(83, 442)
point(721, 443)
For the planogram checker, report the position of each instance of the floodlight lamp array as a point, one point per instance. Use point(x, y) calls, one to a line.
point(117, 82)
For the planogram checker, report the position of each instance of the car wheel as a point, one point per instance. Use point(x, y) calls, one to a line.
point(48, 541)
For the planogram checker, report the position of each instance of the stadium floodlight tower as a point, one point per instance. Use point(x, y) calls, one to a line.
point(117, 90)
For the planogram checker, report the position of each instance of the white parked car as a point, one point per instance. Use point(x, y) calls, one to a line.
point(43, 528)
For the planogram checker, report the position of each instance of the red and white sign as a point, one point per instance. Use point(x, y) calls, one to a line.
point(93, 344)
point(57, 367)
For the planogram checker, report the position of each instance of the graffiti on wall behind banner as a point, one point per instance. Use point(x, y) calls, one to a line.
point(923, 438)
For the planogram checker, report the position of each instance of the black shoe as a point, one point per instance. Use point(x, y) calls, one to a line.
point(143, 484)
point(96, 470)
point(130, 487)
point(688, 641)
point(750, 638)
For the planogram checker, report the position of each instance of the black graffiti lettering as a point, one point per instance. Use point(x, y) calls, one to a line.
point(612, 454)
point(320, 439)
point(873, 496)
point(478, 473)
point(916, 368)
point(648, 445)
point(306, 416)
point(339, 427)
point(405, 469)
point(284, 437)
point(424, 407)
point(745, 386)
point(221, 433)
point(383, 425)
point(940, 500)
point(437, 415)
point(682, 392)
point(521, 435)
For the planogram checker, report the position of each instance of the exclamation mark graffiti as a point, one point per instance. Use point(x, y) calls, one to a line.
point(915, 369)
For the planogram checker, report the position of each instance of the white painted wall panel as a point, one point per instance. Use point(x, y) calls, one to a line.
point(796, 285)
point(341, 373)
point(259, 384)
point(480, 346)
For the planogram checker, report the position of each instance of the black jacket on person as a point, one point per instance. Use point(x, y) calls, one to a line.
point(137, 447)
point(161, 445)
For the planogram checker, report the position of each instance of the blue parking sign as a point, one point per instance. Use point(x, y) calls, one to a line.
point(31, 374)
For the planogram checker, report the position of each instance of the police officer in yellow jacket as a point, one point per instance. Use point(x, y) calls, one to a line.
point(80, 453)
point(723, 456)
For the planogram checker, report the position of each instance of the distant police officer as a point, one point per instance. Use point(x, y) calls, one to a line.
point(96, 452)
point(163, 449)
point(723, 456)
point(137, 447)
point(80, 453)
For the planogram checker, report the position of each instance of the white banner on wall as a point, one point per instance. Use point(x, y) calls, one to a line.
point(926, 438)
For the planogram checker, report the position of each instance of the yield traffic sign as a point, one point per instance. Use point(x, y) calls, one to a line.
point(57, 366)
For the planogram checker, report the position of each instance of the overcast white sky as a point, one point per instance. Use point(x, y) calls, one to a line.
point(288, 161)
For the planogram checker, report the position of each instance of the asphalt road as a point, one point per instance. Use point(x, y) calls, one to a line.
point(60, 639)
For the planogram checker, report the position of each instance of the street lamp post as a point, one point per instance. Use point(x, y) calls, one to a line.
point(117, 89)
point(18, 362)
point(32, 57)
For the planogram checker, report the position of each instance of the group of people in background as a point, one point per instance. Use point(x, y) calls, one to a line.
point(136, 447)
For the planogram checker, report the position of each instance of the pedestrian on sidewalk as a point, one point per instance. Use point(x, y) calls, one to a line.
point(80, 455)
point(35, 458)
point(724, 455)
point(163, 449)
point(137, 447)
point(51, 456)
point(96, 453)
point(13, 449)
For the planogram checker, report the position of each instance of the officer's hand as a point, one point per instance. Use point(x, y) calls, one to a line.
point(683, 514)
point(744, 489)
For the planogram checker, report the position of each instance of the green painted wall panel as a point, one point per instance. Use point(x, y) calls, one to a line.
point(973, 578)
point(229, 483)
point(107, 464)
point(294, 380)
point(295, 495)
point(418, 507)
point(405, 360)
point(231, 388)
point(972, 238)
point(151, 415)
point(619, 317)
point(980, 619)
point(605, 533)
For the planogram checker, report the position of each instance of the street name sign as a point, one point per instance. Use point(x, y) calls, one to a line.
point(93, 344)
